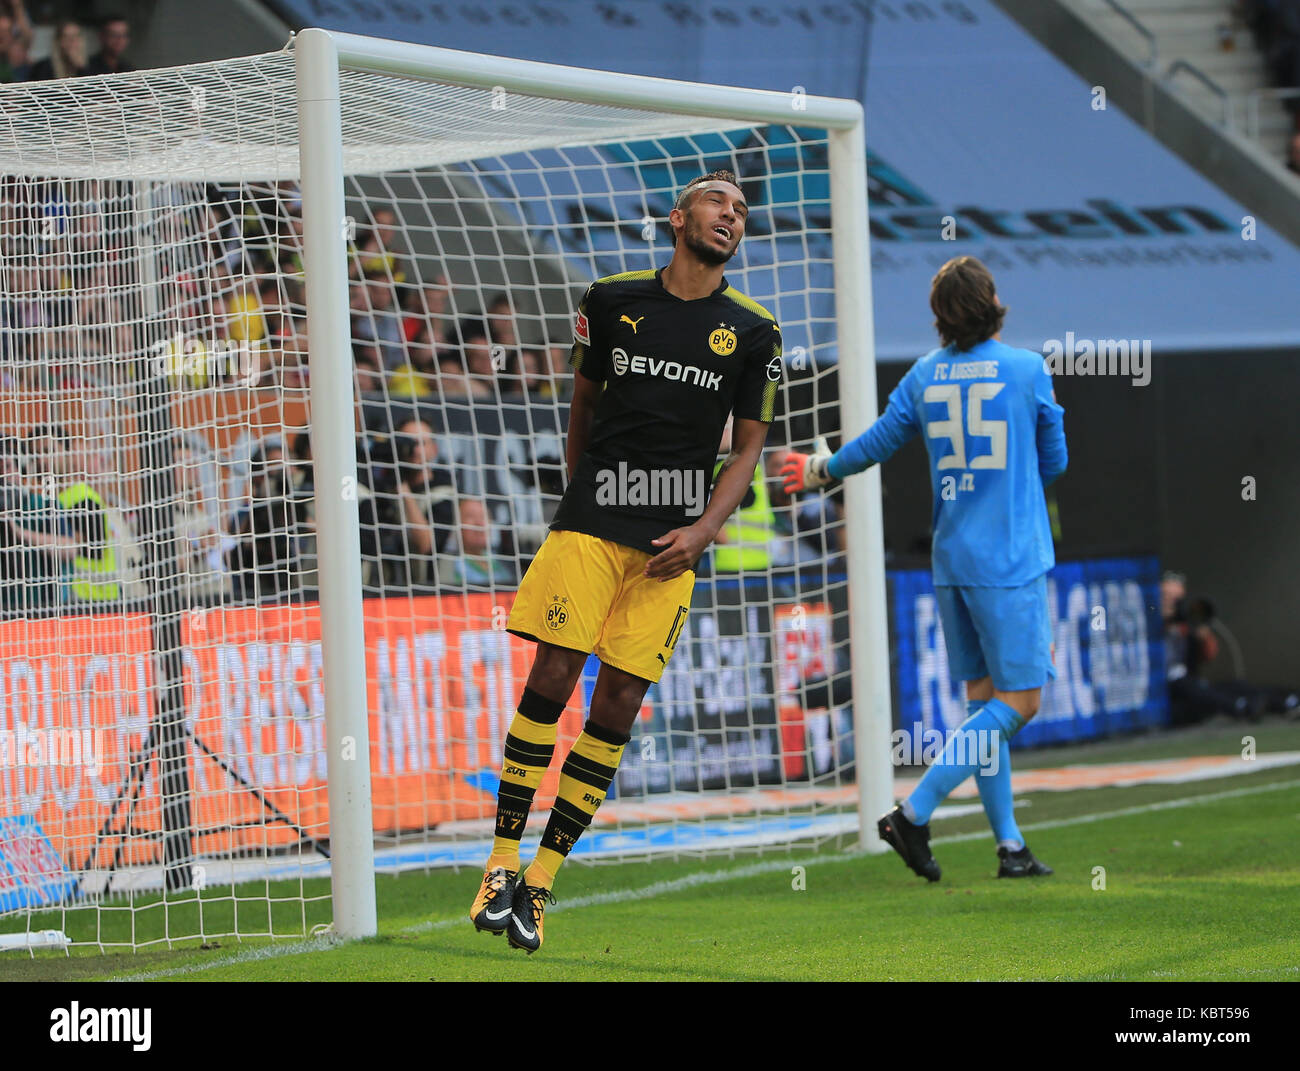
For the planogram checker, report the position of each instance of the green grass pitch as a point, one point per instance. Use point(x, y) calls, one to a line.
point(1201, 882)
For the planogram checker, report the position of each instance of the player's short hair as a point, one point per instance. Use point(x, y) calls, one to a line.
point(963, 298)
point(683, 198)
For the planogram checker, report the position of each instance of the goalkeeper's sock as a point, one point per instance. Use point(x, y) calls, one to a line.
point(960, 758)
point(530, 744)
point(585, 777)
point(995, 792)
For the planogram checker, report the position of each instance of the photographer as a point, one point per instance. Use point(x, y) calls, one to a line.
point(1192, 634)
point(406, 506)
point(266, 563)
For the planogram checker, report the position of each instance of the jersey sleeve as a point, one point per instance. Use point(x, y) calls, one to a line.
point(590, 353)
point(1052, 454)
point(878, 443)
point(761, 375)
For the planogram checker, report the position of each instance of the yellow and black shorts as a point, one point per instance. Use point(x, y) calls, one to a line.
point(592, 595)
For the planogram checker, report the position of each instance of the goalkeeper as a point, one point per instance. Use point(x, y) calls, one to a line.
point(995, 438)
point(661, 360)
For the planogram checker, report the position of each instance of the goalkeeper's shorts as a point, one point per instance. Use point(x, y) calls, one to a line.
point(1003, 633)
point(591, 595)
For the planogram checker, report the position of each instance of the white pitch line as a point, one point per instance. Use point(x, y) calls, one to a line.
point(712, 877)
point(251, 954)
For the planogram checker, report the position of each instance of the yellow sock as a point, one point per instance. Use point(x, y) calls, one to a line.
point(585, 778)
point(530, 744)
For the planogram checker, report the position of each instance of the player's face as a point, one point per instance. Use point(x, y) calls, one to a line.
point(715, 222)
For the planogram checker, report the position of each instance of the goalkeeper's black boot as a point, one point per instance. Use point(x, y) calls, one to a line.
point(912, 842)
point(1021, 864)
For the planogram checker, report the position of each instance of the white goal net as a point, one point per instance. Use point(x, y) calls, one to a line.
point(163, 771)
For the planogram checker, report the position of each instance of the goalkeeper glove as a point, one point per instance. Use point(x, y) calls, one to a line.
point(807, 472)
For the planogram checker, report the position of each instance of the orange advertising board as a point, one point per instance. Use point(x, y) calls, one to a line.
point(443, 680)
point(75, 697)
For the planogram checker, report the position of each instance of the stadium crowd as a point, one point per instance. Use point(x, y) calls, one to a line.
point(68, 57)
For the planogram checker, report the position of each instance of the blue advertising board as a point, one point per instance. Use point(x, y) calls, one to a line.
point(1110, 662)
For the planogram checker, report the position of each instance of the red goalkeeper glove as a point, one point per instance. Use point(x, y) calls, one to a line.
point(807, 472)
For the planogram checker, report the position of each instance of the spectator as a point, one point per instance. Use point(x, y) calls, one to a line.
point(204, 543)
point(432, 310)
point(114, 37)
point(265, 561)
point(474, 563)
point(20, 60)
point(384, 562)
point(15, 40)
point(377, 320)
point(1293, 158)
point(453, 382)
point(369, 374)
point(376, 251)
point(501, 322)
point(479, 356)
point(405, 506)
point(427, 491)
point(418, 377)
point(530, 377)
point(80, 535)
point(28, 577)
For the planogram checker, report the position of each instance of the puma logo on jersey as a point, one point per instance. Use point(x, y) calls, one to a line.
point(629, 320)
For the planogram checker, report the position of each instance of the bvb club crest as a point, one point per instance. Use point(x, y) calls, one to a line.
point(723, 340)
point(557, 614)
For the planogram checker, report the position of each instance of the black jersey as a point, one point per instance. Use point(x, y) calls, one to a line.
point(673, 372)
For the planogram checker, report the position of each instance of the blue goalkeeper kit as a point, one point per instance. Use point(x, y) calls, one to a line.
point(995, 437)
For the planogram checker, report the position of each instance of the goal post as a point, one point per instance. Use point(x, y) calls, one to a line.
point(255, 311)
point(352, 870)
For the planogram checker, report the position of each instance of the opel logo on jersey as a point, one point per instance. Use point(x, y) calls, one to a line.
point(674, 370)
point(774, 369)
point(723, 340)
